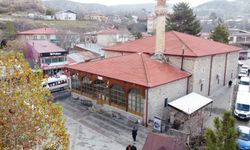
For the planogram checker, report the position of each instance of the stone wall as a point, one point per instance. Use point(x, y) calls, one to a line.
point(157, 95)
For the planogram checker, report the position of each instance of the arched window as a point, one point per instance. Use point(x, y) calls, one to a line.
point(101, 90)
point(86, 86)
point(75, 83)
point(135, 101)
point(117, 95)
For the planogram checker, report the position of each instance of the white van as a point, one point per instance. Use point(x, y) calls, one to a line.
point(56, 83)
point(244, 84)
point(242, 105)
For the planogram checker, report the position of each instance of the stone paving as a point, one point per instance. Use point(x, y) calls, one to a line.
point(97, 131)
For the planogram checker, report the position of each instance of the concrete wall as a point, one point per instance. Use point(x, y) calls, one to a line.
point(105, 40)
point(157, 95)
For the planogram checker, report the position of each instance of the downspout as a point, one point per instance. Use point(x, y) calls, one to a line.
point(210, 75)
point(187, 85)
point(146, 108)
point(225, 70)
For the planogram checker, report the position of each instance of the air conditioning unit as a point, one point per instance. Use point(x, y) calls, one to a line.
point(202, 81)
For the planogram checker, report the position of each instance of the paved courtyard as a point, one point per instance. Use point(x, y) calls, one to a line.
point(97, 131)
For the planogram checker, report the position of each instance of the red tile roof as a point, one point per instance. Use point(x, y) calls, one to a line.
point(175, 42)
point(40, 31)
point(43, 46)
point(134, 68)
point(156, 141)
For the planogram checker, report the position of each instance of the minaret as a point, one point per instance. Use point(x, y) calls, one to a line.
point(160, 12)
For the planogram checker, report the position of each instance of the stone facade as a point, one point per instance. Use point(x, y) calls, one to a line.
point(199, 67)
point(157, 96)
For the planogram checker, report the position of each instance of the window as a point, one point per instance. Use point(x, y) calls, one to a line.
point(201, 88)
point(54, 60)
point(48, 61)
point(118, 95)
point(101, 90)
point(135, 101)
point(86, 86)
point(75, 83)
point(61, 59)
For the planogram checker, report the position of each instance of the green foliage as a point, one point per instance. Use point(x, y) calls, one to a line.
point(225, 134)
point(183, 20)
point(10, 30)
point(50, 12)
point(220, 34)
point(28, 118)
point(137, 35)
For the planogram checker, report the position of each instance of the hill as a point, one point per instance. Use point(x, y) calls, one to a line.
point(74, 6)
point(7, 6)
point(224, 8)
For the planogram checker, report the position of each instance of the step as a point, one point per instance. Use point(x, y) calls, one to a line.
point(104, 132)
point(142, 133)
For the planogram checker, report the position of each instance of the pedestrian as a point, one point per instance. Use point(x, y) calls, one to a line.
point(128, 147)
point(230, 83)
point(134, 133)
point(133, 147)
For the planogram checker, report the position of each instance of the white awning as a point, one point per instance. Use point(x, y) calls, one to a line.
point(190, 103)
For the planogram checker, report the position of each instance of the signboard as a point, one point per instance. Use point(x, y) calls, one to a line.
point(157, 123)
point(53, 54)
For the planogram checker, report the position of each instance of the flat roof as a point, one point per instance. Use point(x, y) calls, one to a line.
point(43, 46)
point(190, 103)
point(243, 97)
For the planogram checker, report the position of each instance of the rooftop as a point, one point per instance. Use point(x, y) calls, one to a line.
point(40, 31)
point(156, 141)
point(92, 47)
point(135, 68)
point(43, 46)
point(190, 103)
point(175, 43)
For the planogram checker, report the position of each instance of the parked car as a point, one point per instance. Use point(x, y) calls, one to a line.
point(244, 84)
point(244, 140)
point(242, 105)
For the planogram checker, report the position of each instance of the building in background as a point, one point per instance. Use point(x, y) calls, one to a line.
point(49, 34)
point(65, 15)
point(46, 56)
point(113, 36)
point(240, 38)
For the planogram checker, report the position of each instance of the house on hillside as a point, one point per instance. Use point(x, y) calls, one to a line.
point(138, 79)
point(113, 36)
point(49, 34)
point(65, 15)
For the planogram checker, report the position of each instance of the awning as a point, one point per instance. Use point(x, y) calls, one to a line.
point(190, 103)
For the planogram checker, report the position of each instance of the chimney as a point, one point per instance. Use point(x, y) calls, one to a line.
point(160, 12)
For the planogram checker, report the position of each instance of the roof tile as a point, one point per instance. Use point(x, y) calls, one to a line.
point(134, 68)
point(175, 42)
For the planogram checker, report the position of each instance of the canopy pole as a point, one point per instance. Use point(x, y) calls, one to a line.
point(211, 108)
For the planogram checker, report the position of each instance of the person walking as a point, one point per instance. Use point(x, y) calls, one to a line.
point(230, 83)
point(134, 133)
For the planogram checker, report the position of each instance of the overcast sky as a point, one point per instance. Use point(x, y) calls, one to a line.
point(117, 2)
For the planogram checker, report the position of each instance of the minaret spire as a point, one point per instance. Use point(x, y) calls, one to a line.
point(160, 12)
